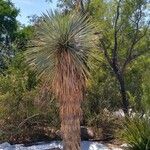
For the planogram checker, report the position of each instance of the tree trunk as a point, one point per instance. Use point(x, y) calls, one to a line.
point(70, 128)
point(68, 85)
point(122, 89)
point(125, 102)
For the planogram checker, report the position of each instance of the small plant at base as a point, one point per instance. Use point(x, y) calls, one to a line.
point(137, 132)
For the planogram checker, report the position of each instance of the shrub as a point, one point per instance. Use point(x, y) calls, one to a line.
point(137, 132)
point(25, 106)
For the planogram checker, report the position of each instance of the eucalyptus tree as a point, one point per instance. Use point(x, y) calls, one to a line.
point(60, 55)
point(123, 36)
point(68, 5)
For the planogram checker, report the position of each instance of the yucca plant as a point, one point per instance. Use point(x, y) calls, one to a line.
point(137, 132)
point(61, 53)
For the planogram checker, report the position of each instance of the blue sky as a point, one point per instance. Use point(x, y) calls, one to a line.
point(31, 7)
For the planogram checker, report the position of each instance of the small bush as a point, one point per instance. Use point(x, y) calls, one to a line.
point(26, 107)
point(137, 133)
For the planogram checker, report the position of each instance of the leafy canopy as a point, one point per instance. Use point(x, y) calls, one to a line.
point(8, 22)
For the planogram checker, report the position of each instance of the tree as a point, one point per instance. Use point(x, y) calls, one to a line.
point(23, 38)
point(124, 38)
point(123, 33)
point(63, 44)
point(8, 22)
point(8, 29)
point(68, 5)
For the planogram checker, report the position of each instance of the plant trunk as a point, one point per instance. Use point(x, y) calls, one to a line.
point(70, 127)
point(68, 85)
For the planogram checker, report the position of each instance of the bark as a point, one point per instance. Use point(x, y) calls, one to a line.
point(123, 93)
point(68, 86)
point(70, 128)
point(125, 102)
point(80, 6)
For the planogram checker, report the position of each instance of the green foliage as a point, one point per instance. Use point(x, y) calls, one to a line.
point(26, 105)
point(123, 37)
point(8, 22)
point(57, 33)
point(23, 38)
point(13, 37)
point(136, 77)
point(8, 29)
point(146, 91)
point(22, 103)
point(102, 92)
point(137, 133)
point(13, 87)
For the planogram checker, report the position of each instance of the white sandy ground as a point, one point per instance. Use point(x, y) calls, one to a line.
point(85, 145)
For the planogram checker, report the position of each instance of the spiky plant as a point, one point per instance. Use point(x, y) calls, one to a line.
point(61, 52)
